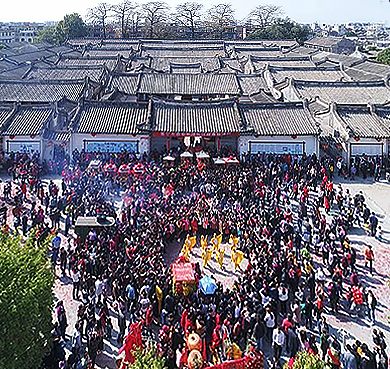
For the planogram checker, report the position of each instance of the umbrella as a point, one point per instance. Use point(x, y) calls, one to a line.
point(202, 155)
point(207, 285)
point(186, 154)
point(232, 161)
point(169, 158)
point(219, 161)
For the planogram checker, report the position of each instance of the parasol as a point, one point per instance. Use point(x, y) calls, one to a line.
point(169, 158)
point(202, 155)
point(219, 161)
point(186, 154)
point(207, 285)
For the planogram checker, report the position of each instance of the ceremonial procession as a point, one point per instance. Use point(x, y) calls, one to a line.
point(185, 186)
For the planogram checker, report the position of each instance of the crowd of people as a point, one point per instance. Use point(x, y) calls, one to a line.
point(290, 221)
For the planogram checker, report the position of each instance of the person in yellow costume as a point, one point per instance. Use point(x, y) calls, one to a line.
point(203, 242)
point(233, 241)
point(192, 242)
point(159, 295)
point(187, 243)
point(237, 257)
point(185, 252)
point(206, 256)
point(219, 256)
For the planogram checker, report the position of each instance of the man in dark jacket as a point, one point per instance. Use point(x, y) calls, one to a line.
point(259, 333)
point(348, 359)
point(293, 342)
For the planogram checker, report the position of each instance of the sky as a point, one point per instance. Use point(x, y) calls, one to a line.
point(303, 11)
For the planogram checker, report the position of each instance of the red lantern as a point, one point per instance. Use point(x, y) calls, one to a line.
point(357, 139)
point(294, 137)
point(325, 146)
point(339, 147)
point(32, 137)
point(93, 134)
point(12, 137)
point(379, 139)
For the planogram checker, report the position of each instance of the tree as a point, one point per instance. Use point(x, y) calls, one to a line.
point(148, 359)
point(123, 14)
point(26, 302)
point(305, 360)
point(99, 15)
point(72, 26)
point(47, 35)
point(155, 17)
point(384, 57)
point(188, 16)
point(264, 16)
point(219, 17)
point(282, 29)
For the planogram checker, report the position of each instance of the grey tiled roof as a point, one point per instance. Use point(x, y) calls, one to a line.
point(66, 73)
point(112, 118)
point(195, 117)
point(345, 92)
point(252, 84)
point(28, 121)
point(36, 55)
point(40, 91)
point(5, 112)
point(126, 82)
point(107, 53)
point(283, 119)
point(324, 41)
point(189, 84)
point(163, 63)
point(188, 51)
point(110, 62)
point(308, 73)
point(361, 122)
point(193, 68)
point(58, 136)
point(14, 73)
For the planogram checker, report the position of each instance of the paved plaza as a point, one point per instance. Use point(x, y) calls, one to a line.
point(378, 200)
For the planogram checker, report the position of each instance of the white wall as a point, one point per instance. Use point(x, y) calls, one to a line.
point(310, 142)
point(78, 140)
point(22, 142)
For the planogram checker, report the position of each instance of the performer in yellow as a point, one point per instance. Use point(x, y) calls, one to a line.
point(206, 256)
point(214, 242)
point(237, 257)
point(192, 242)
point(203, 242)
point(233, 241)
point(219, 256)
point(187, 242)
point(185, 252)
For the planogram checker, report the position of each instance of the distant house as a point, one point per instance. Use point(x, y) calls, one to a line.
point(332, 44)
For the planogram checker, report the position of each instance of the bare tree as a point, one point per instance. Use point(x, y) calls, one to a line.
point(99, 15)
point(122, 13)
point(188, 15)
point(264, 16)
point(220, 16)
point(155, 15)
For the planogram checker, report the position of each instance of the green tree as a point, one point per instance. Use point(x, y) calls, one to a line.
point(148, 359)
point(26, 302)
point(282, 29)
point(72, 26)
point(47, 35)
point(304, 360)
point(384, 57)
